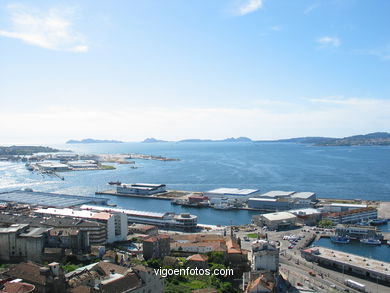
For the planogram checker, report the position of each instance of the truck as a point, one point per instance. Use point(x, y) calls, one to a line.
point(355, 285)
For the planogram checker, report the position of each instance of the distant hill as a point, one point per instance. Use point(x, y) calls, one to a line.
point(153, 140)
point(376, 138)
point(91, 140)
point(25, 150)
point(308, 139)
point(231, 139)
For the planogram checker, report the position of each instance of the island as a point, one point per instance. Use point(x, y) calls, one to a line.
point(25, 150)
point(91, 140)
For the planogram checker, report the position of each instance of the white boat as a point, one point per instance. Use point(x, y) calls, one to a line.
point(371, 241)
point(222, 206)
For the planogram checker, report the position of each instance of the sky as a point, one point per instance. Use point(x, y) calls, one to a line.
point(174, 69)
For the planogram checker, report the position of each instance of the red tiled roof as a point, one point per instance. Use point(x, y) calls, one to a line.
point(17, 287)
point(198, 257)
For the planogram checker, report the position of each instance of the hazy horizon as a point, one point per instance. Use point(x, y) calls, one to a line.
point(192, 69)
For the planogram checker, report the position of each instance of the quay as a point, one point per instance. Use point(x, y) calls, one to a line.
point(348, 263)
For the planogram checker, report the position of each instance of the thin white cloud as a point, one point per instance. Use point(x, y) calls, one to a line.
point(329, 42)
point(250, 6)
point(382, 53)
point(276, 28)
point(50, 29)
point(311, 7)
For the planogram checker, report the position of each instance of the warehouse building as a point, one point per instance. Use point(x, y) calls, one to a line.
point(308, 216)
point(218, 195)
point(49, 199)
point(141, 188)
point(275, 221)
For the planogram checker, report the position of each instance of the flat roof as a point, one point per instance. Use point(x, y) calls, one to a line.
point(305, 211)
point(303, 194)
point(276, 193)
point(127, 212)
point(263, 199)
point(335, 204)
point(75, 213)
point(48, 199)
point(233, 191)
point(279, 216)
point(365, 263)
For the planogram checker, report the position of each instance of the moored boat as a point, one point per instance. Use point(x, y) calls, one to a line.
point(371, 241)
point(378, 222)
point(340, 239)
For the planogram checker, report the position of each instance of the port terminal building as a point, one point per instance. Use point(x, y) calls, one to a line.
point(34, 198)
point(140, 188)
point(358, 232)
point(219, 195)
point(168, 220)
point(348, 263)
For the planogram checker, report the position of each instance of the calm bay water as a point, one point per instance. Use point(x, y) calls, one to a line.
point(379, 252)
point(335, 172)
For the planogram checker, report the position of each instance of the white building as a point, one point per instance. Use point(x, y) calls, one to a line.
point(342, 207)
point(230, 194)
point(141, 188)
point(116, 223)
point(265, 256)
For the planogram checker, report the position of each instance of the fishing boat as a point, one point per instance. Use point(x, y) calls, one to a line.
point(378, 222)
point(340, 239)
point(371, 241)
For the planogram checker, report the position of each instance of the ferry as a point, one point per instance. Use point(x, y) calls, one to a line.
point(378, 222)
point(340, 239)
point(371, 241)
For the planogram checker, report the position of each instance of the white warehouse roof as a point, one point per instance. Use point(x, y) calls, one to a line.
point(278, 193)
point(303, 195)
point(233, 191)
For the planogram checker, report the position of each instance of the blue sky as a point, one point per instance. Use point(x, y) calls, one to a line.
point(193, 69)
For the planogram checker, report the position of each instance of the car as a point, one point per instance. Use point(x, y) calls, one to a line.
point(299, 284)
point(291, 247)
point(312, 273)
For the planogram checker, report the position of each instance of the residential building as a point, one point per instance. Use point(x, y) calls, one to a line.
point(265, 256)
point(156, 246)
point(198, 261)
point(45, 279)
point(20, 242)
point(143, 229)
point(115, 222)
point(69, 238)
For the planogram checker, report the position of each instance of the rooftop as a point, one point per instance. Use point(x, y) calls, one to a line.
point(48, 199)
point(305, 211)
point(75, 213)
point(278, 193)
point(303, 195)
point(233, 191)
point(279, 216)
point(352, 259)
